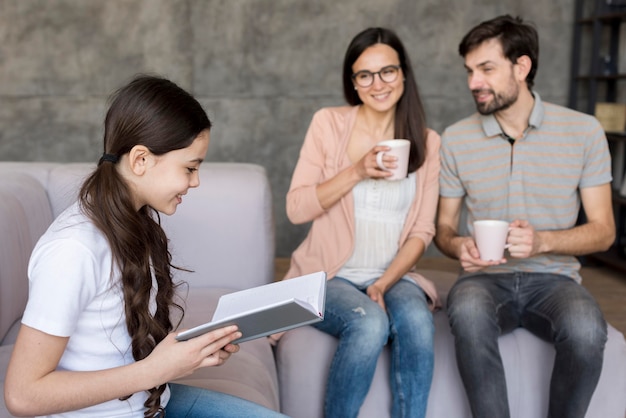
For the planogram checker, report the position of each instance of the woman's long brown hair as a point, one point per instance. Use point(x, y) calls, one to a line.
point(156, 113)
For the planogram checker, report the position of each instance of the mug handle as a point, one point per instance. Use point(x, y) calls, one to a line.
point(506, 246)
point(379, 160)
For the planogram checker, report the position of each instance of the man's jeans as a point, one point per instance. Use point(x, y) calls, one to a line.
point(195, 402)
point(554, 308)
point(363, 328)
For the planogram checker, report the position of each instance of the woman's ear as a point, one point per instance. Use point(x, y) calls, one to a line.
point(138, 159)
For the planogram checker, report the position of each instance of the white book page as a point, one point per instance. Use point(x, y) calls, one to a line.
point(306, 290)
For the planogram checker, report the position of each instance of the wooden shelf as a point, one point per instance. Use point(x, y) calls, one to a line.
point(615, 136)
point(596, 77)
point(602, 77)
point(619, 15)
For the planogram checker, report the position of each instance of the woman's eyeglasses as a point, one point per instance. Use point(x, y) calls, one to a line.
point(365, 78)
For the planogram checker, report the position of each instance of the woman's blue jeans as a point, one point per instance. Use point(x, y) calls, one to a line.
point(194, 402)
point(555, 308)
point(363, 328)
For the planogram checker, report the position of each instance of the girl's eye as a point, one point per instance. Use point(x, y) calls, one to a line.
point(192, 170)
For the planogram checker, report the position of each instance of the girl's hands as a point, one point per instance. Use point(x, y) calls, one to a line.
point(367, 167)
point(175, 359)
point(34, 386)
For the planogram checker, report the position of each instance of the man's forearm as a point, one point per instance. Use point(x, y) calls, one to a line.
point(580, 240)
point(445, 240)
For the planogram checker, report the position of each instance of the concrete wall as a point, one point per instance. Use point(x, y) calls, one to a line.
point(260, 68)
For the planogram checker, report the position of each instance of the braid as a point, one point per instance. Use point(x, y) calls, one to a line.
point(157, 114)
point(139, 247)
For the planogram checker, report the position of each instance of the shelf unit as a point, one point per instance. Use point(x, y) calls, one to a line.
point(597, 76)
point(597, 32)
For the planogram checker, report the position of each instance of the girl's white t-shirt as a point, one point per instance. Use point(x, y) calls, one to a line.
point(74, 292)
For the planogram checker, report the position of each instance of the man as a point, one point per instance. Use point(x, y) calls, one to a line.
point(530, 163)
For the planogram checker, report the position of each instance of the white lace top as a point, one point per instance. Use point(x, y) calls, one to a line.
point(380, 209)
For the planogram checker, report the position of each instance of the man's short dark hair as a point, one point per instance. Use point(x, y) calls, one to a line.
point(516, 37)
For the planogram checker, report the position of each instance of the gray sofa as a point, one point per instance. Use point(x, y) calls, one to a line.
point(304, 355)
point(224, 231)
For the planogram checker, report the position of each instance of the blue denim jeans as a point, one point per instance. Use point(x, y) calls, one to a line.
point(193, 402)
point(555, 308)
point(363, 328)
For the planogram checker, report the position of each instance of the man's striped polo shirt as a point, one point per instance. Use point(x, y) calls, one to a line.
point(536, 179)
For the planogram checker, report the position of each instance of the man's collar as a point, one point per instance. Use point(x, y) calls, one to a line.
point(491, 127)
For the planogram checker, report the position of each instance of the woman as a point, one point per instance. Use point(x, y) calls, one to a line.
point(96, 336)
point(368, 232)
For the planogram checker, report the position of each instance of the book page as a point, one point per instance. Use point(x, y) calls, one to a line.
point(306, 289)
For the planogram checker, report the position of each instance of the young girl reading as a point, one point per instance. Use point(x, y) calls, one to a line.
point(97, 336)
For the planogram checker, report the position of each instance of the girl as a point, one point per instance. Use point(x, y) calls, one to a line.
point(96, 336)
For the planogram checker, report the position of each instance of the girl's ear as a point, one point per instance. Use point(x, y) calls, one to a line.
point(138, 159)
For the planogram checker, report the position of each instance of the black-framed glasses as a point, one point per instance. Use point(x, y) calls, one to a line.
point(365, 78)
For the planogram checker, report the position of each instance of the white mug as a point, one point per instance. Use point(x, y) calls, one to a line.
point(400, 149)
point(490, 236)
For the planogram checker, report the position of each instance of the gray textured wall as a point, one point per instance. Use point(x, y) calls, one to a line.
point(260, 68)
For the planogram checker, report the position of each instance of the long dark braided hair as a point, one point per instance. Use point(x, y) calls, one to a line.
point(156, 113)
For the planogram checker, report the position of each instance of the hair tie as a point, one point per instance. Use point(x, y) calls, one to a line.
point(109, 158)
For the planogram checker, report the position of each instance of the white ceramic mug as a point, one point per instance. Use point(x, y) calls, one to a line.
point(490, 236)
point(400, 149)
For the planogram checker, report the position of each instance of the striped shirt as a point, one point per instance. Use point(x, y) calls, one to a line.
point(536, 179)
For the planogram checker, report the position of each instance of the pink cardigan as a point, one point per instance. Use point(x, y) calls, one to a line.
point(330, 240)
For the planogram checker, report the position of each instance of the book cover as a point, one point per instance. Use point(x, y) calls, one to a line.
point(264, 310)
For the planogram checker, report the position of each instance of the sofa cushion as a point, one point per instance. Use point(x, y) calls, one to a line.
point(248, 374)
point(303, 357)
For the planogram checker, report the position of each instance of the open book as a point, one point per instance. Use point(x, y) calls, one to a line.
point(268, 309)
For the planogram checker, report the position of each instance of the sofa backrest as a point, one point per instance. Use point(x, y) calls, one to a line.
point(63, 184)
point(223, 230)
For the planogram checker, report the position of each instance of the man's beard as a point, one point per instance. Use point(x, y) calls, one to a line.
point(499, 102)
